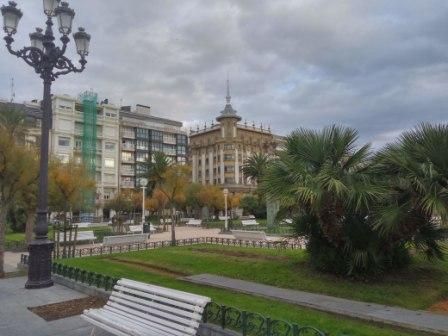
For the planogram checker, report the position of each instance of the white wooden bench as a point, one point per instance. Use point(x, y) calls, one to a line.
point(194, 222)
point(135, 229)
point(83, 225)
point(138, 309)
point(185, 219)
point(125, 239)
point(249, 235)
point(81, 236)
point(249, 222)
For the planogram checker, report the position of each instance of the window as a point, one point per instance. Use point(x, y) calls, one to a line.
point(228, 146)
point(169, 138)
point(142, 133)
point(64, 141)
point(229, 169)
point(143, 145)
point(228, 157)
point(109, 163)
point(181, 139)
point(156, 136)
point(78, 144)
point(127, 157)
point(181, 150)
point(110, 146)
point(156, 147)
point(142, 157)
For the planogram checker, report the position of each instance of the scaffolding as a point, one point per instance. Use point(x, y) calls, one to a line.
point(89, 101)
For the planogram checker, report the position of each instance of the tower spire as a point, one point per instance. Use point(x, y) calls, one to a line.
point(228, 97)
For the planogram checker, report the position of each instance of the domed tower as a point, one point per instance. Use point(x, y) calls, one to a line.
point(228, 118)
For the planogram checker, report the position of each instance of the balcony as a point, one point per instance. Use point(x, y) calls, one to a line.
point(127, 184)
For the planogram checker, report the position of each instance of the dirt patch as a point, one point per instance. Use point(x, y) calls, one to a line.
point(65, 309)
point(240, 254)
point(141, 265)
point(440, 308)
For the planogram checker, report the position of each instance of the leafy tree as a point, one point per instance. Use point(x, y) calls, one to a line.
point(415, 169)
point(68, 183)
point(18, 168)
point(192, 197)
point(253, 204)
point(173, 184)
point(122, 204)
point(212, 197)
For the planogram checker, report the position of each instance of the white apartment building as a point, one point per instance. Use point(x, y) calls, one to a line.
point(66, 140)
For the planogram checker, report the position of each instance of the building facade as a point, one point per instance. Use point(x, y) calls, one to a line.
point(143, 134)
point(114, 142)
point(217, 153)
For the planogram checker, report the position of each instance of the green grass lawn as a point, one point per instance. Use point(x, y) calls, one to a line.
point(15, 237)
point(283, 268)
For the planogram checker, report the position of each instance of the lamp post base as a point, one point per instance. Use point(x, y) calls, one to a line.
point(39, 266)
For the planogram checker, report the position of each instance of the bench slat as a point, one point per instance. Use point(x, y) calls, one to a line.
point(152, 318)
point(188, 312)
point(132, 319)
point(179, 304)
point(161, 312)
point(127, 326)
point(168, 293)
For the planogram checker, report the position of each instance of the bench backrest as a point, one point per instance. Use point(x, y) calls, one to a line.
point(135, 228)
point(249, 222)
point(195, 222)
point(171, 311)
point(83, 225)
point(249, 235)
point(125, 239)
point(82, 235)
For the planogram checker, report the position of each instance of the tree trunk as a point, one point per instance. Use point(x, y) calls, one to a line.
point(173, 226)
point(30, 220)
point(3, 211)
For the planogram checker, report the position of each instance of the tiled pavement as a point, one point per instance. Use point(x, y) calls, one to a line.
point(17, 320)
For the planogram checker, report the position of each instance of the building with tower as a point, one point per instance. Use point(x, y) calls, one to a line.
point(217, 153)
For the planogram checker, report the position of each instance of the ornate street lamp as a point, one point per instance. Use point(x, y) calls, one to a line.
point(226, 223)
point(49, 62)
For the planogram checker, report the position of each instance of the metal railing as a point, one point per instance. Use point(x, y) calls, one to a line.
point(122, 248)
point(254, 324)
point(89, 278)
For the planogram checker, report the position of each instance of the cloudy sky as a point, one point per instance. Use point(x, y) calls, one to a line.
point(379, 66)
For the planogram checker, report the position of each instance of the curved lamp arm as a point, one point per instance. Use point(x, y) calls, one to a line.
point(66, 66)
point(31, 55)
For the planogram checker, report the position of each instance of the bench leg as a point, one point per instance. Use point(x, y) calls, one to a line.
point(93, 332)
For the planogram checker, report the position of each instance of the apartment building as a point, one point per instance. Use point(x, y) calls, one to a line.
point(143, 134)
point(218, 152)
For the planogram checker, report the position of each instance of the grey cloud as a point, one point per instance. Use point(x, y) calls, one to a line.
point(379, 66)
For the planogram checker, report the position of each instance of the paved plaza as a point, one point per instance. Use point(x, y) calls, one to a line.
point(17, 320)
point(410, 319)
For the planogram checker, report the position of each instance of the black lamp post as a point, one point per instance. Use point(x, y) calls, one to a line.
point(49, 62)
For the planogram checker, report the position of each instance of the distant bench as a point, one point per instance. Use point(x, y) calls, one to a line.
point(249, 222)
point(125, 239)
point(194, 222)
point(249, 235)
point(138, 229)
point(81, 236)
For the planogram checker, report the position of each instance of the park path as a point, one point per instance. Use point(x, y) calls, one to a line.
point(17, 319)
point(394, 316)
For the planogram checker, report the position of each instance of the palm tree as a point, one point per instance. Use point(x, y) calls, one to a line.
point(155, 170)
point(255, 165)
point(416, 170)
point(326, 178)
